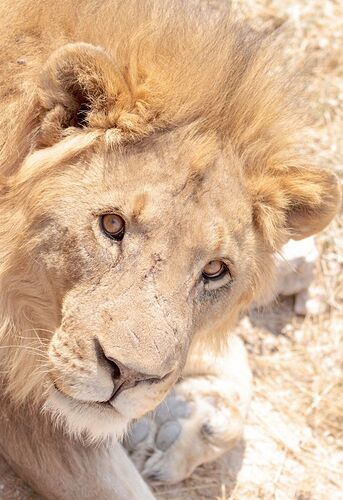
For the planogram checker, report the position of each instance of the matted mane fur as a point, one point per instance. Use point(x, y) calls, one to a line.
point(171, 65)
point(174, 63)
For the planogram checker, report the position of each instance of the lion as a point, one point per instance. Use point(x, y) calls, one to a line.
point(149, 172)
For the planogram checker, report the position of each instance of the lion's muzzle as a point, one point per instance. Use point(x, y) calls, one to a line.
point(125, 353)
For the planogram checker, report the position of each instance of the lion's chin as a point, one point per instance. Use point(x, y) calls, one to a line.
point(92, 421)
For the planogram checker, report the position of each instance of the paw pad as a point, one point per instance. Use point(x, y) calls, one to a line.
point(167, 435)
point(172, 408)
point(138, 433)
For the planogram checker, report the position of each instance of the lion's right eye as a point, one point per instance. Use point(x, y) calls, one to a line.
point(214, 270)
point(113, 226)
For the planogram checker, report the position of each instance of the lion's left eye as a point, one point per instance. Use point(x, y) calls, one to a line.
point(113, 226)
point(214, 270)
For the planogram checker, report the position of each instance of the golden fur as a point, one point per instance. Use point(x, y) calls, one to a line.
point(182, 124)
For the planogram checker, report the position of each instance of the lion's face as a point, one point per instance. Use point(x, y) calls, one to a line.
point(142, 218)
point(177, 266)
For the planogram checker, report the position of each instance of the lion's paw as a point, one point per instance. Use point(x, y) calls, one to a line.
point(195, 424)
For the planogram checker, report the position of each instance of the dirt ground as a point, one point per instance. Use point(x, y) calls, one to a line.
point(294, 436)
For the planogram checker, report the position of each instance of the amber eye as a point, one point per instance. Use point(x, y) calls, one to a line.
point(214, 270)
point(113, 226)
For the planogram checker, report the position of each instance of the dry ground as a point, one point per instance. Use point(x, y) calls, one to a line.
point(294, 436)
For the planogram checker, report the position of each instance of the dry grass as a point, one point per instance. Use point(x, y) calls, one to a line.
point(294, 436)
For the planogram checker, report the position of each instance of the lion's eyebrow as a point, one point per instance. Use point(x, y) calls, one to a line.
point(217, 237)
point(139, 203)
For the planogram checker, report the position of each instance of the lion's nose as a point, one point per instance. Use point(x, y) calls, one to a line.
point(123, 376)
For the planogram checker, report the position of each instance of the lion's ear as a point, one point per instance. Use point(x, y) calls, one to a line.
point(80, 86)
point(294, 202)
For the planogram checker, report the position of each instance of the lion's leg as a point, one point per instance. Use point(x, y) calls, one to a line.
point(106, 474)
point(57, 467)
point(201, 418)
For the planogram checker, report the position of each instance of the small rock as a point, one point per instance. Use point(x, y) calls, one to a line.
point(315, 306)
point(312, 301)
point(298, 336)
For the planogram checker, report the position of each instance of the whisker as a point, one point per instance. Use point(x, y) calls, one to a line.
point(27, 348)
point(47, 341)
point(40, 330)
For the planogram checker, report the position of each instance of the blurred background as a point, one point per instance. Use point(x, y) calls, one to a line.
point(294, 436)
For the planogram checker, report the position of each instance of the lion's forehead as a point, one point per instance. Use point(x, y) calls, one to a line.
point(180, 179)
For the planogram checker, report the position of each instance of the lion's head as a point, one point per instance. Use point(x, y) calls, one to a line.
point(144, 213)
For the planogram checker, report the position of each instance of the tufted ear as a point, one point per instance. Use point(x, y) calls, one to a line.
point(80, 86)
point(294, 202)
